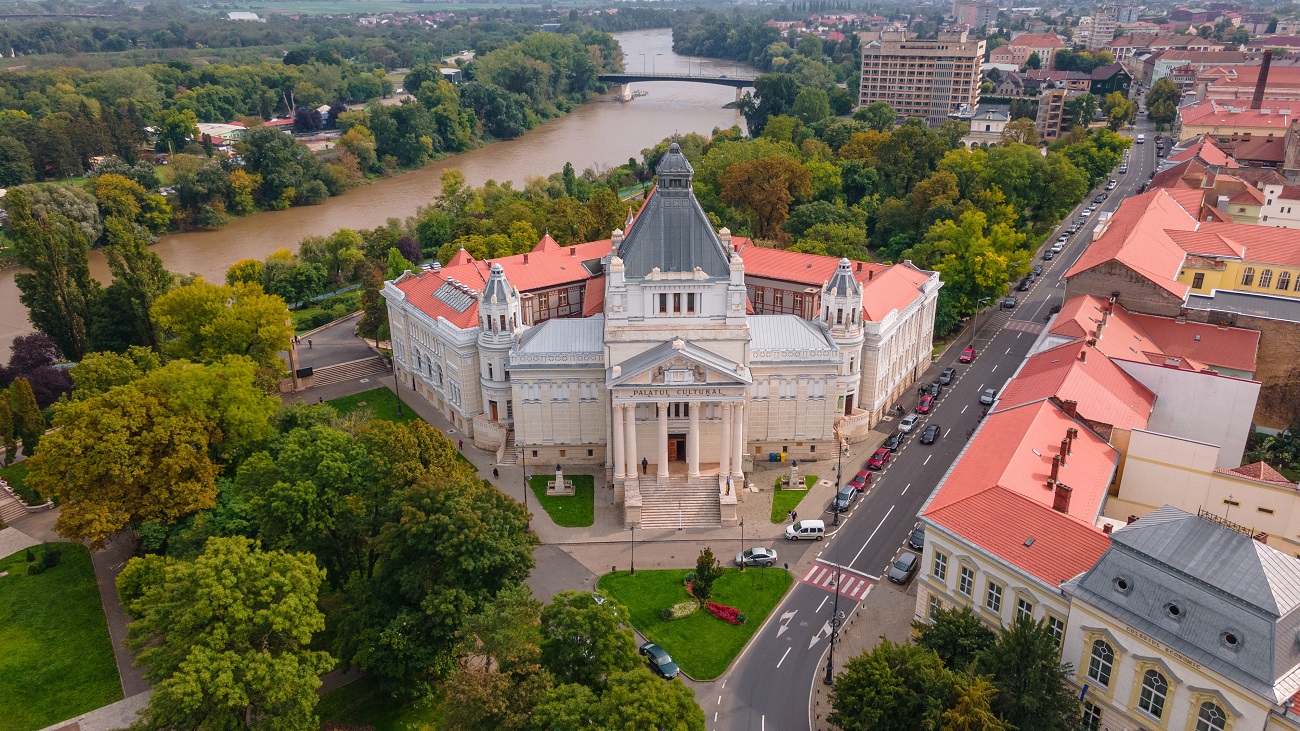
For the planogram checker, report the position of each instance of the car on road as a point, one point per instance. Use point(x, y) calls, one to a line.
point(893, 441)
point(1110, 185)
point(756, 556)
point(908, 423)
point(948, 374)
point(806, 529)
point(917, 539)
point(1025, 284)
point(1085, 213)
point(925, 404)
point(988, 396)
point(1123, 169)
point(934, 389)
point(844, 499)
point(861, 480)
point(660, 661)
point(903, 568)
point(1009, 303)
point(931, 434)
point(1049, 255)
point(1038, 269)
point(1101, 197)
point(1057, 247)
point(879, 459)
point(967, 355)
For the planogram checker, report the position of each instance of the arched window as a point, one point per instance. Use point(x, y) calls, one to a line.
point(1248, 277)
point(1154, 689)
point(1284, 281)
point(1266, 278)
point(1103, 657)
point(1211, 717)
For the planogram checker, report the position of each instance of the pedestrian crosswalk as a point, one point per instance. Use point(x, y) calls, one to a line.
point(1024, 326)
point(852, 586)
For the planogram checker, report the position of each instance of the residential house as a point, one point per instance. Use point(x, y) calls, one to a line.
point(1022, 46)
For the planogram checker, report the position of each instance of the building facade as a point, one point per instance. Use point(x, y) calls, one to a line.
point(929, 79)
point(671, 354)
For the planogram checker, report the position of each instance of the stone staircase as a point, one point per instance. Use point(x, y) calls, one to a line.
point(698, 502)
point(508, 454)
point(339, 372)
point(11, 508)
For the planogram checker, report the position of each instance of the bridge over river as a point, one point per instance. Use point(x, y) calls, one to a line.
point(625, 80)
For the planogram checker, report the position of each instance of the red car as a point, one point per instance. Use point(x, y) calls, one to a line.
point(878, 459)
point(966, 356)
point(927, 401)
point(861, 480)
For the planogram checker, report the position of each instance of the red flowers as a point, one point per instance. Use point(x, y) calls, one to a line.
point(725, 613)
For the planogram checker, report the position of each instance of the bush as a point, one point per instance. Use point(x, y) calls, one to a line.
point(725, 613)
point(50, 558)
point(690, 579)
point(680, 610)
point(31, 555)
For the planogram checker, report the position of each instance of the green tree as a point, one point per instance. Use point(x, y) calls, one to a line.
point(225, 638)
point(956, 635)
point(893, 688)
point(7, 438)
point(58, 291)
point(1025, 666)
point(1034, 61)
point(177, 130)
point(1081, 110)
point(397, 265)
point(707, 570)
point(586, 641)
point(98, 372)
point(206, 322)
point(139, 271)
point(879, 116)
point(29, 422)
point(636, 699)
point(1162, 101)
point(811, 105)
point(374, 318)
point(766, 188)
point(1020, 130)
point(15, 163)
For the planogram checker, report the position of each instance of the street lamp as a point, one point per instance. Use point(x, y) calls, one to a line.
point(397, 388)
point(975, 326)
point(839, 460)
point(633, 572)
point(523, 465)
point(742, 544)
point(836, 621)
point(642, 55)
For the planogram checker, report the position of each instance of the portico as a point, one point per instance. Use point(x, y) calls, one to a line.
point(714, 416)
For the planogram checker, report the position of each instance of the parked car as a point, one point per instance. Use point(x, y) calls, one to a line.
point(917, 539)
point(908, 423)
point(931, 434)
point(757, 556)
point(967, 355)
point(948, 374)
point(893, 441)
point(805, 530)
point(660, 661)
point(879, 459)
point(934, 389)
point(1049, 255)
point(1123, 169)
point(861, 480)
point(1009, 303)
point(1101, 197)
point(843, 499)
point(925, 404)
point(1038, 269)
point(1025, 284)
point(1057, 247)
point(988, 396)
point(903, 568)
point(1110, 184)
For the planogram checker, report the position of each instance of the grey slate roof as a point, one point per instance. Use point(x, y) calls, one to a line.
point(647, 359)
point(787, 332)
point(1247, 303)
point(497, 286)
point(1222, 582)
point(564, 335)
point(454, 297)
point(672, 232)
point(842, 282)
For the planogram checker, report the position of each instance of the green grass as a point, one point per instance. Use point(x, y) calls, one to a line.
point(702, 644)
point(381, 402)
point(16, 475)
point(783, 501)
point(361, 704)
point(57, 660)
point(576, 511)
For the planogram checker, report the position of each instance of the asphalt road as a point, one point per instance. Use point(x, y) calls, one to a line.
point(770, 686)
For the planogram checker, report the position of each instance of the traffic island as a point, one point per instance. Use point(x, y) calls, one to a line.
point(702, 645)
point(785, 499)
point(574, 510)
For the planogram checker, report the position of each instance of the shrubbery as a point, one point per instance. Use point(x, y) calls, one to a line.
point(680, 610)
point(50, 557)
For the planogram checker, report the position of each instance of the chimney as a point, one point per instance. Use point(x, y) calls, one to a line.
point(1262, 538)
point(1065, 449)
point(525, 260)
point(1097, 334)
point(1083, 355)
point(573, 251)
point(1132, 519)
point(859, 266)
point(1267, 61)
point(1107, 528)
point(1071, 434)
point(870, 274)
point(1061, 499)
point(1056, 470)
point(1070, 406)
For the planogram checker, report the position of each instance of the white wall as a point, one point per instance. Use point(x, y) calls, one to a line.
point(1202, 407)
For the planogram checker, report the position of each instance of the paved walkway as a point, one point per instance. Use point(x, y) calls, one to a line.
point(331, 345)
point(13, 540)
point(111, 717)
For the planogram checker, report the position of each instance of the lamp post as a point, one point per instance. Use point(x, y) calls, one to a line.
point(975, 325)
point(742, 544)
point(633, 572)
point(523, 465)
point(839, 460)
point(397, 388)
point(836, 620)
point(642, 55)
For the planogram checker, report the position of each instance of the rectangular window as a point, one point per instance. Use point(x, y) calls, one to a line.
point(591, 452)
point(690, 302)
point(965, 580)
point(993, 599)
point(1198, 280)
point(1024, 608)
point(663, 304)
point(935, 606)
point(677, 303)
point(1056, 626)
point(1265, 511)
point(1231, 503)
point(1091, 717)
point(940, 568)
point(562, 453)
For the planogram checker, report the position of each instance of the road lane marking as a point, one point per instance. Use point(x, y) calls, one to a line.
point(994, 369)
point(785, 621)
point(825, 630)
point(819, 606)
point(778, 662)
point(905, 489)
point(981, 388)
point(873, 535)
point(963, 409)
point(863, 574)
point(1008, 352)
point(927, 460)
point(945, 434)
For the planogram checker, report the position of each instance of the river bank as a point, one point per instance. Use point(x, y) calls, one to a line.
point(601, 133)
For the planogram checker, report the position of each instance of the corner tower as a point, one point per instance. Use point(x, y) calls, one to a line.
point(841, 314)
point(498, 319)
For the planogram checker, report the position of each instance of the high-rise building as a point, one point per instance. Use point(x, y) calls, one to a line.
point(922, 78)
point(1102, 30)
point(976, 14)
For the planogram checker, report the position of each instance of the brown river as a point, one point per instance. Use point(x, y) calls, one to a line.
point(600, 134)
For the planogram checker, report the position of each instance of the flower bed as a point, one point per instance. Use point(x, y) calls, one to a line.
point(725, 613)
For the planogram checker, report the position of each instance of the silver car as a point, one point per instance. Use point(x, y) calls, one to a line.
point(988, 396)
point(903, 568)
point(757, 556)
point(909, 423)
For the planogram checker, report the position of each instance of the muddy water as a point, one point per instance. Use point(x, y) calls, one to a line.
point(600, 134)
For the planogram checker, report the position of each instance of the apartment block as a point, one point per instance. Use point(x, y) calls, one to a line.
point(929, 79)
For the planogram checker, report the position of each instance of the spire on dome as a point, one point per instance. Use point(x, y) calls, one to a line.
point(498, 288)
point(842, 282)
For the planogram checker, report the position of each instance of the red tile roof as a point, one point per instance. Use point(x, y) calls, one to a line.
point(1261, 149)
point(1259, 472)
point(1103, 391)
point(792, 266)
point(545, 244)
point(893, 289)
point(1207, 150)
point(1261, 244)
point(1038, 40)
point(1245, 78)
point(1212, 113)
point(1136, 237)
point(1003, 522)
point(460, 258)
point(1226, 347)
point(593, 299)
point(1206, 243)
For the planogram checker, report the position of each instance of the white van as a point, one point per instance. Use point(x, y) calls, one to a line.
point(1141, 139)
point(805, 529)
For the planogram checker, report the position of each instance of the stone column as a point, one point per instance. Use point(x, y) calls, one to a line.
point(629, 432)
point(693, 444)
point(738, 451)
point(724, 450)
point(620, 459)
point(663, 441)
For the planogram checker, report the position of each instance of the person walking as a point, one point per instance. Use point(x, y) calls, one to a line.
point(645, 466)
point(495, 473)
point(794, 515)
point(308, 343)
point(460, 444)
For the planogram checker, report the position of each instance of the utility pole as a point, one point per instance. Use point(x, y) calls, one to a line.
point(836, 621)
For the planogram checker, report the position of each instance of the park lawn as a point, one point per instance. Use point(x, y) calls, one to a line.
point(361, 704)
point(577, 511)
point(381, 402)
point(783, 501)
point(702, 644)
point(16, 475)
point(57, 660)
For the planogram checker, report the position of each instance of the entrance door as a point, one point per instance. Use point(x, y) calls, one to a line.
point(848, 405)
point(677, 448)
point(492, 406)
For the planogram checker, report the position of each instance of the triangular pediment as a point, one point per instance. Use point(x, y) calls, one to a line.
point(678, 363)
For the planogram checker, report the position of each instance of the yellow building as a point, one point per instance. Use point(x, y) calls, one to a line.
point(1240, 258)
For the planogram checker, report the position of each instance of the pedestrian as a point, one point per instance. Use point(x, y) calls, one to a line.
point(308, 343)
point(460, 444)
point(789, 515)
point(645, 466)
point(794, 515)
point(495, 473)
point(322, 399)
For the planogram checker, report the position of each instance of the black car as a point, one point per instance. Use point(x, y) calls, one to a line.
point(916, 541)
point(1038, 269)
point(844, 499)
point(930, 435)
point(948, 374)
point(934, 389)
point(1009, 303)
point(1025, 284)
point(893, 441)
point(660, 662)
point(1099, 198)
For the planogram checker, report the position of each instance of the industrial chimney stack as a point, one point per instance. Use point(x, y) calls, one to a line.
point(1258, 99)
